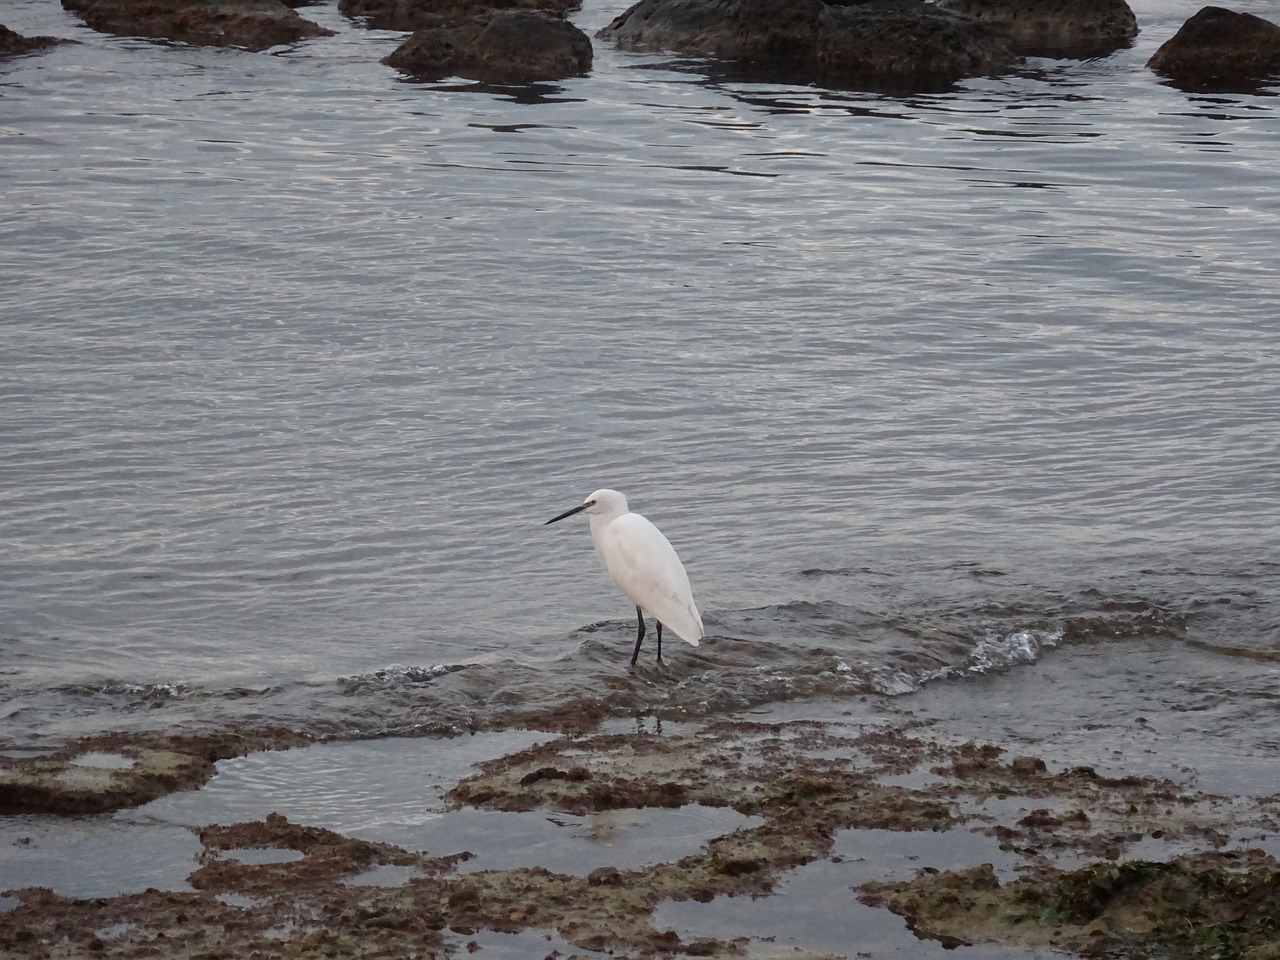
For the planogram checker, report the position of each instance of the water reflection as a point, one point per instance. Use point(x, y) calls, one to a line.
point(540, 93)
point(285, 396)
point(1261, 87)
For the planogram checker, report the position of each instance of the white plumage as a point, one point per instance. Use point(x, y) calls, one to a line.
point(643, 564)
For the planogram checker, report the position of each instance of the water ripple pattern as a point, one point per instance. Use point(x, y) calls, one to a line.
point(299, 356)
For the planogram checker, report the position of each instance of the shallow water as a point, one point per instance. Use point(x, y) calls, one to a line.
point(817, 909)
point(299, 357)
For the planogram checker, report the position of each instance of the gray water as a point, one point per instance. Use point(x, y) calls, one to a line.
point(299, 356)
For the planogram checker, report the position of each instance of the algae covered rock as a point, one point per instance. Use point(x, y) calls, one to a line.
point(67, 785)
point(1213, 905)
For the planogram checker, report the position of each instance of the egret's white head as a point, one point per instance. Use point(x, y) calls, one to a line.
point(607, 502)
point(602, 503)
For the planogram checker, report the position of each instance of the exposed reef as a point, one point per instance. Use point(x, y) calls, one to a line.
point(114, 771)
point(273, 887)
point(1209, 905)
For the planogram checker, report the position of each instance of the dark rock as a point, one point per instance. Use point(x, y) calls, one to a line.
point(12, 44)
point(738, 866)
point(423, 14)
point(605, 877)
point(749, 30)
point(251, 24)
point(1043, 27)
point(1028, 766)
point(903, 39)
point(505, 47)
point(879, 40)
point(1218, 44)
point(576, 774)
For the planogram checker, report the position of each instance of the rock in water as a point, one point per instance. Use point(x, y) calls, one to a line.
point(422, 14)
point(251, 24)
point(12, 44)
point(755, 31)
point(899, 42)
point(902, 41)
point(1054, 27)
point(505, 47)
point(1219, 44)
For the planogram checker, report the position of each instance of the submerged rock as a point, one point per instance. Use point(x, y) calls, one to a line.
point(1219, 44)
point(505, 47)
point(423, 14)
point(251, 24)
point(1063, 27)
point(12, 44)
point(892, 41)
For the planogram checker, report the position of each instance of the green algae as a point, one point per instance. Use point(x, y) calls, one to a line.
point(152, 766)
point(1216, 907)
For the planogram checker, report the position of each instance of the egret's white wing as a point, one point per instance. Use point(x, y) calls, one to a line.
point(645, 567)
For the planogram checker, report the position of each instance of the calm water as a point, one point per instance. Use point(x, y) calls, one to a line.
point(298, 357)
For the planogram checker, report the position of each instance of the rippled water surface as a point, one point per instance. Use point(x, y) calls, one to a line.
point(299, 356)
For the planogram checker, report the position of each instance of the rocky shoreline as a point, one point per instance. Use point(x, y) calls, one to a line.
point(1090, 864)
point(851, 43)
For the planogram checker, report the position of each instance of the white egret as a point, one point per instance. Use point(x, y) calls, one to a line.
point(643, 564)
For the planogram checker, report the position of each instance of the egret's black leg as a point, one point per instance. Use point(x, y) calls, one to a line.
point(639, 636)
point(659, 623)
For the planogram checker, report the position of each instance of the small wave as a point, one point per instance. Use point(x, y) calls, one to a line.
point(1118, 618)
point(1001, 652)
point(398, 675)
point(890, 644)
point(128, 692)
point(991, 654)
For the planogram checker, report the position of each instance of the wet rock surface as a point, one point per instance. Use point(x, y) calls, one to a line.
point(903, 39)
point(752, 30)
point(503, 47)
point(146, 766)
point(1224, 905)
point(13, 43)
point(1220, 44)
point(282, 888)
point(1054, 27)
point(421, 14)
point(887, 40)
point(251, 24)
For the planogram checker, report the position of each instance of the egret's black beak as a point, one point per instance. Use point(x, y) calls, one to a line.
point(569, 513)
